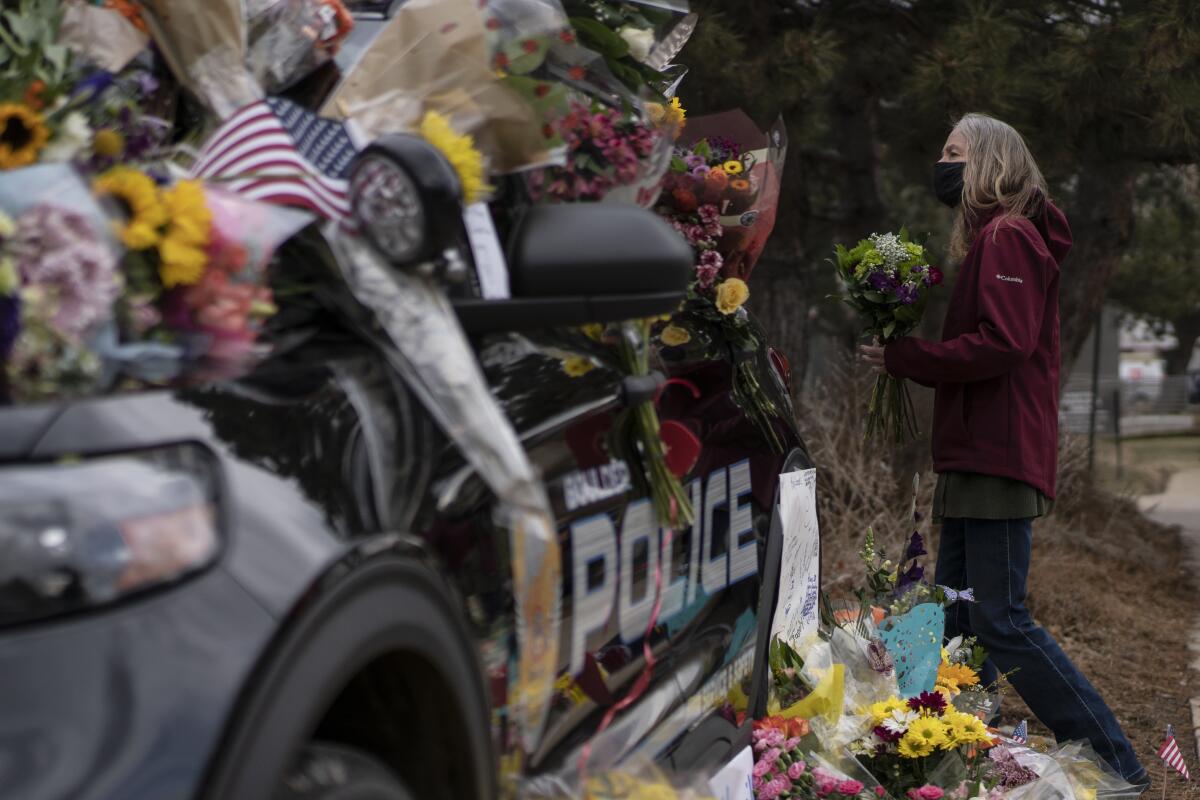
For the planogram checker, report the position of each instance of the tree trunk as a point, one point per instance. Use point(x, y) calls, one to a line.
point(1101, 219)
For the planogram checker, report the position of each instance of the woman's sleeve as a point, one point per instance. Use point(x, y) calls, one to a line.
point(1013, 278)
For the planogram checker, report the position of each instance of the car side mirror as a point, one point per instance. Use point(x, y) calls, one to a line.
point(585, 262)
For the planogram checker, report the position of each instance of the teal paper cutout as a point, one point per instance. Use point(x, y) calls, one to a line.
point(915, 642)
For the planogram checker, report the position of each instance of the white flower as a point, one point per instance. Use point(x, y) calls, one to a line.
point(74, 135)
point(640, 41)
point(899, 721)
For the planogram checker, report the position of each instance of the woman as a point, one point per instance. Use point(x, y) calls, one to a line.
point(995, 430)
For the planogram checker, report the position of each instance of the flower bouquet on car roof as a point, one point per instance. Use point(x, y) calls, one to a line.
point(720, 194)
point(887, 279)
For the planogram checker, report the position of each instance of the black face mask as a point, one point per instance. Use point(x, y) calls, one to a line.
point(948, 181)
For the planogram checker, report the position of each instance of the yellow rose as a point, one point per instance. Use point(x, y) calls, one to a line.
point(673, 336)
point(731, 295)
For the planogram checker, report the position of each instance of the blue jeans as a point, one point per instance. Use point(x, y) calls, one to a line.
point(992, 557)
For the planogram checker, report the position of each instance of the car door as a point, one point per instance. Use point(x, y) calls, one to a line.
point(704, 639)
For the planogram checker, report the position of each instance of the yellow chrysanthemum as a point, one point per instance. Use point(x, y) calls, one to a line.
point(594, 331)
point(883, 710)
point(731, 294)
point(183, 247)
point(946, 691)
point(927, 732)
point(956, 675)
point(140, 199)
point(576, 366)
point(913, 748)
point(673, 336)
point(108, 143)
point(23, 134)
point(459, 150)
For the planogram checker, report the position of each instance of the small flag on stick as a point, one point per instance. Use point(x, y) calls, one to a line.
point(1020, 734)
point(1169, 752)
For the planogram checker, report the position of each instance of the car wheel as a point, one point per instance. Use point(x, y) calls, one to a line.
point(333, 772)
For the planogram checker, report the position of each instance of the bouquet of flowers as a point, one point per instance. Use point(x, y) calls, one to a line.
point(887, 279)
point(785, 766)
point(720, 194)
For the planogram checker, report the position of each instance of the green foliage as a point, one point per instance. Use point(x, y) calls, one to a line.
point(29, 50)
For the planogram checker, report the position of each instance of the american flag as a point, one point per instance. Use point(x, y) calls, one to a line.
point(1020, 734)
point(278, 152)
point(1169, 752)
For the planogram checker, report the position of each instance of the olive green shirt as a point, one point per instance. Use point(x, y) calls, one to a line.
point(971, 495)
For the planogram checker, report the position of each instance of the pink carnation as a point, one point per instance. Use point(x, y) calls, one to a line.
point(796, 770)
point(926, 792)
point(850, 787)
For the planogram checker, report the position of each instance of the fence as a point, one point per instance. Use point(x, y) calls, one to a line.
point(1133, 408)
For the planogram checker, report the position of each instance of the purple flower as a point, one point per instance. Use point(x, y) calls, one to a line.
point(914, 575)
point(886, 735)
point(928, 701)
point(700, 172)
point(709, 268)
point(907, 294)
point(916, 547)
point(694, 162)
point(882, 282)
point(58, 250)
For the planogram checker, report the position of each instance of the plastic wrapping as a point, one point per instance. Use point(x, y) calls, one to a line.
point(100, 36)
point(289, 39)
point(433, 55)
point(205, 46)
point(746, 200)
point(1071, 771)
point(425, 344)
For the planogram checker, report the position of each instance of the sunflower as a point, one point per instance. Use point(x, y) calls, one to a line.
point(23, 134)
point(459, 150)
point(732, 167)
point(138, 196)
point(183, 249)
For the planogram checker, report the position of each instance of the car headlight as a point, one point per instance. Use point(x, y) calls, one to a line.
point(83, 534)
point(406, 197)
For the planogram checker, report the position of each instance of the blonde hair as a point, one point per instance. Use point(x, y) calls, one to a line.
point(1000, 173)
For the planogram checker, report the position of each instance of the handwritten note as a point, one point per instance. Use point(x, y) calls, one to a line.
point(490, 264)
point(797, 608)
point(735, 781)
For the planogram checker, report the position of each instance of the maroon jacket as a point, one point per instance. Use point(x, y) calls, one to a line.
point(996, 369)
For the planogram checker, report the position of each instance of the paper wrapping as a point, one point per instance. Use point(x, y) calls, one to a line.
point(432, 56)
point(100, 36)
point(424, 343)
point(205, 46)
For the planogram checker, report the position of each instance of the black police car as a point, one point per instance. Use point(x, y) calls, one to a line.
point(293, 584)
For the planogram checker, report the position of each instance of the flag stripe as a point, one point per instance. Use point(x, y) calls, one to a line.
point(266, 189)
point(232, 136)
point(1169, 752)
point(276, 151)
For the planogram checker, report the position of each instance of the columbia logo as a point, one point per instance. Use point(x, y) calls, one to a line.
point(1010, 278)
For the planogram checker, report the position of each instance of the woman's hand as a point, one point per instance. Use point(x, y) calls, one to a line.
point(872, 354)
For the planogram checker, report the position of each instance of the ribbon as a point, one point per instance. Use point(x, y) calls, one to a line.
point(643, 681)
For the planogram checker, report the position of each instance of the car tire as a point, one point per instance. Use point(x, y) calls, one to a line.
point(334, 772)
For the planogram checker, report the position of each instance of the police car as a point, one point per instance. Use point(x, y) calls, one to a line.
point(294, 585)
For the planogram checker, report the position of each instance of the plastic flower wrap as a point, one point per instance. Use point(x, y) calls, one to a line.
point(725, 161)
point(432, 55)
point(608, 151)
point(289, 39)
